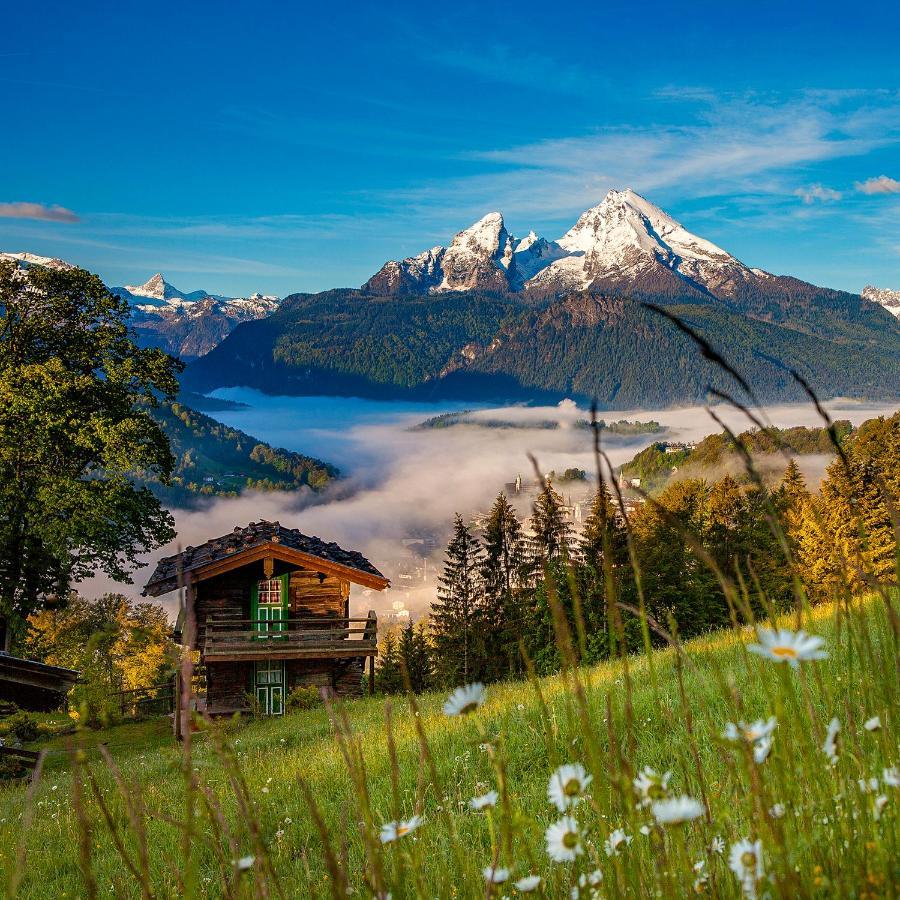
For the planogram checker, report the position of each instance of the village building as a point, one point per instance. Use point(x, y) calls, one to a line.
point(267, 608)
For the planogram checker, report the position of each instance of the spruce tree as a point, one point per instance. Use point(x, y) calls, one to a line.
point(603, 551)
point(552, 532)
point(388, 675)
point(503, 575)
point(415, 655)
point(457, 614)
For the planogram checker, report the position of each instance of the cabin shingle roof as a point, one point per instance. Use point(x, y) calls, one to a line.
point(166, 575)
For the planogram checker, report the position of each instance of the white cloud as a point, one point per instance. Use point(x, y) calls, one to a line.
point(731, 146)
point(819, 192)
point(21, 210)
point(880, 185)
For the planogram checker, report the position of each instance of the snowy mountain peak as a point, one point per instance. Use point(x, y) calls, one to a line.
point(32, 259)
point(157, 288)
point(623, 240)
point(477, 255)
point(885, 297)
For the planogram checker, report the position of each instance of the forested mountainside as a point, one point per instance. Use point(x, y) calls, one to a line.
point(585, 344)
point(212, 459)
point(655, 465)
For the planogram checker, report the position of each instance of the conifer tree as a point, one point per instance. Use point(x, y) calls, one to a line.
point(457, 614)
point(503, 573)
point(415, 656)
point(552, 533)
point(388, 675)
point(603, 550)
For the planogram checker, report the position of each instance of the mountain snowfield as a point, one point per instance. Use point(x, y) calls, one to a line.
point(623, 239)
point(156, 296)
point(885, 297)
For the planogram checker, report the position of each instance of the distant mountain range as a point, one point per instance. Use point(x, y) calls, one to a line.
point(188, 325)
point(623, 243)
point(493, 317)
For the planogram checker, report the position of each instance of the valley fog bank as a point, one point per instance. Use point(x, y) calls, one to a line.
point(402, 487)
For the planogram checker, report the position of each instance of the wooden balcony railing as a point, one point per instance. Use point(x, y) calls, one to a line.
point(235, 639)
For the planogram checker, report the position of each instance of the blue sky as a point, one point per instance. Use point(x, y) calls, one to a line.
point(289, 147)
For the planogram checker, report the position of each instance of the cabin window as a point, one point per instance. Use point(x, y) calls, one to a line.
point(270, 687)
point(269, 606)
point(270, 591)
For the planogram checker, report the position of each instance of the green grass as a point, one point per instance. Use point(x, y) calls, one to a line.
point(828, 843)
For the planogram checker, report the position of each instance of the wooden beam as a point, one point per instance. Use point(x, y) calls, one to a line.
point(247, 656)
point(289, 555)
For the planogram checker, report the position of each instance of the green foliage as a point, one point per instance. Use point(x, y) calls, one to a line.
point(583, 345)
point(115, 643)
point(656, 464)
point(75, 419)
point(23, 726)
point(303, 697)
point(212, 459)
point(456, 613)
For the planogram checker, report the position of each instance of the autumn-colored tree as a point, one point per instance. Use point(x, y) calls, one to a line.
point(115, 643)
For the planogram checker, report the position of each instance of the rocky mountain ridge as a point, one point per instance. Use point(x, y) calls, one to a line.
point(885, 297)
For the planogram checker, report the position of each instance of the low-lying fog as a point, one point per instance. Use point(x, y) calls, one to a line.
point(402, 487)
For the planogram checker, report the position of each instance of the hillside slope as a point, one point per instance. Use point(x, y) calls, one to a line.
point(584, 345)
point(798, 844)
point(212, 459)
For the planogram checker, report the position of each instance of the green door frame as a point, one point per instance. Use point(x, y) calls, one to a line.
point(269, 686)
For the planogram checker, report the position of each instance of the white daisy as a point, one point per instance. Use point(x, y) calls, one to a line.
point(644, 830)
point(650, 785)
point(878, 804)
point(830, 747)
point(494, 876)
point(677, 810)
point(244, 863)
point(777, 811)
point(464, 700)
point(891, 776)
point(615, 840)
point(527, 884)
point(718, 845)
point(788, 646)
point(872, 724)
point(701, 884)
point(755, 731)
point(746, 861)
point(868, 785)
point(587, 885)
point(567, 785)
point(761, 750)
point(485, 800)
point(563, 840)
point(392, 831)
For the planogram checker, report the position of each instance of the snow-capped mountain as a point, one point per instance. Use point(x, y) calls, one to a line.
point(32, 259)
point(885, 297)
point(184, 324)
point(156, 295)
point(622, 241)
point(189, 324)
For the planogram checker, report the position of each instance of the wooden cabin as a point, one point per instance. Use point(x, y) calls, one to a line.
point(268, 609)
point(34, 685)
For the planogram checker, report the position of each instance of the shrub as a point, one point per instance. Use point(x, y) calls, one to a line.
point(304, 696)
point(24, 726)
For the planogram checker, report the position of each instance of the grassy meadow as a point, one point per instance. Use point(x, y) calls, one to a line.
point(245, 823)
